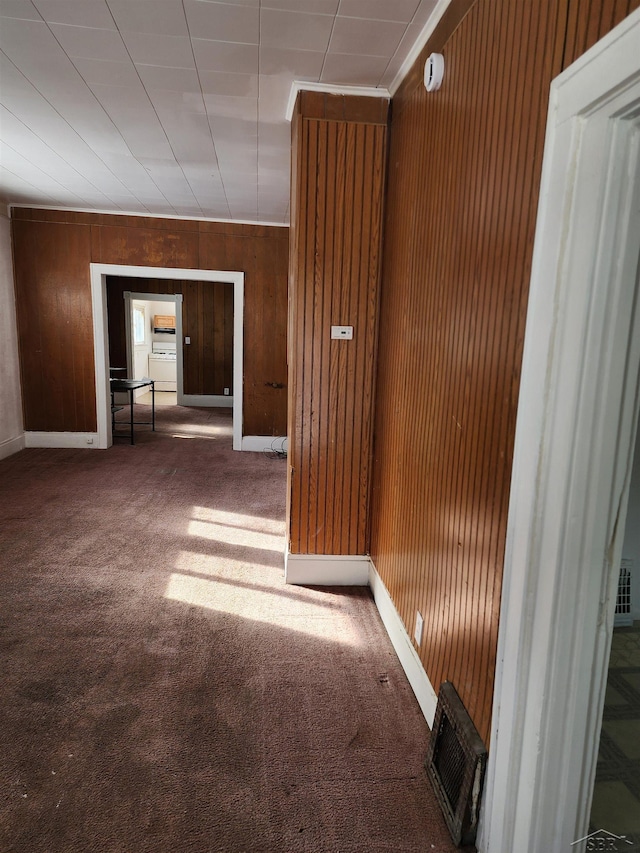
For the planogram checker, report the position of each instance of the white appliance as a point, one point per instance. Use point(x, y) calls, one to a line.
point(162, 366)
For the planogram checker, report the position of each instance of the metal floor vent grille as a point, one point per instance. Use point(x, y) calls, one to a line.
point(455, 764)
point(623, 615)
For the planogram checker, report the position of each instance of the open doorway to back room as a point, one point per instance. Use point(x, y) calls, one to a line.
point(209, 312)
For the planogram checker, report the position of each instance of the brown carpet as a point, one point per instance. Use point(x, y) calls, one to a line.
point(163, 690)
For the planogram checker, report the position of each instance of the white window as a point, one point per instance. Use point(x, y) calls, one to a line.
point(139, 321)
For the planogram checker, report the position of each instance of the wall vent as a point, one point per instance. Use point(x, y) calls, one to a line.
point(456, 762)
point(623, 614)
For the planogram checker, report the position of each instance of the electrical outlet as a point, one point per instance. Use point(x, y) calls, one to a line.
point(226, 392)
point(417, 634)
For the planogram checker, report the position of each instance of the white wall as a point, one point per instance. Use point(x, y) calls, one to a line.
point(631, 547)
point(11, 425)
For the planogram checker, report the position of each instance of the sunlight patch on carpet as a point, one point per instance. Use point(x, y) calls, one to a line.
point(264, 607)
point(236, 519)
point(235, 536)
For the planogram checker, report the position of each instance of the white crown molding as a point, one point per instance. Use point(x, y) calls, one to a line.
point(11, 206)
point(425, 34)
point(306, 86)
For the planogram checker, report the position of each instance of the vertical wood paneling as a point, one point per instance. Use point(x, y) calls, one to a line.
point(52, 253)
point(464, 174)
point(55, 329)
point(338, 161)
point(588, 22)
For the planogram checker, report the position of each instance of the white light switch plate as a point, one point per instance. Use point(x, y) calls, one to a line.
point(417, 635)
point(342, 333)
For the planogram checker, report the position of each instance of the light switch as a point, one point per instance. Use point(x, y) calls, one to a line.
point(187, 340)
point(342, 333)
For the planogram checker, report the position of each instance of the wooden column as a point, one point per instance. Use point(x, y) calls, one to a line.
point(338, 171)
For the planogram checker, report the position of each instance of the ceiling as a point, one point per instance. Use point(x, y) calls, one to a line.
point(177, 107)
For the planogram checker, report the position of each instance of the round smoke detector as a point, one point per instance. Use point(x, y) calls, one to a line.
point(433, 72)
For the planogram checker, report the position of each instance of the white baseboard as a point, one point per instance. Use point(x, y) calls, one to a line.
point(217, 401)
point(323, 570)
point(402, 643)
point(11, 445)
point(258, 443)
point(84, 440)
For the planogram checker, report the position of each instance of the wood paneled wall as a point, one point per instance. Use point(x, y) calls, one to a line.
point(52, 253)
point(339, 156)
point(463, 183)
point(207, 318)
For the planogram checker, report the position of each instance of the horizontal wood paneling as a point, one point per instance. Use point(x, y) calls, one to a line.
point(464, 172)
point(52, 253)
point(334, 280)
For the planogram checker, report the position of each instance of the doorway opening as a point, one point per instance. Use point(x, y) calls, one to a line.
point(99, 274)
point(615, 806)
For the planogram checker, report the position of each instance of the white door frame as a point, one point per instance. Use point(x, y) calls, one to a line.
point(176, 299)
point(99, 273)
point(575, 437)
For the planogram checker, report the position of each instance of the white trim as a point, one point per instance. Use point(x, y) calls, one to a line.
point(144, 215)
point(99, 273)
point(262, 443)
point(329, 89)
point(326, 570)
point(425, 34)
point(11, 445)
point(575, 436)
point(404, 647)
point(217, 401)
point(83, 440)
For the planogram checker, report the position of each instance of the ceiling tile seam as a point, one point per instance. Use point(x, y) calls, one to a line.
point(152, 105)
point(25, 181)
point(206, 112)
point(326, 53)
point(70, 126)
point(54, 152)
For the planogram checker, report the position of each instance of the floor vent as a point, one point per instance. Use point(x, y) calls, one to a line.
point(455, 764)
point(623, 615)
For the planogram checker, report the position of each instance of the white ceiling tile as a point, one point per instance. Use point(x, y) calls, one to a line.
point(88, 13)
point(317, 7)
point(88, 43)
point(229, 57)
point(236, 85)
point(23, 9)
point(170, 51)
point(172, 79)
point(223, 21)
point(380, 10)
point(297, 64)
point(101, 72)
point(220, 106)
point(373, 38)
point(232, 130)
point(274, 96)
point(276, 135)
point(349, 70)
point(158, 135)
point(411, 35)
point(424, 12)
point(162, 17)
point(294, 30)
point(164, 101)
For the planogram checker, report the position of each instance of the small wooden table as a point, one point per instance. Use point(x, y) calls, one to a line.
point(131, 385)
